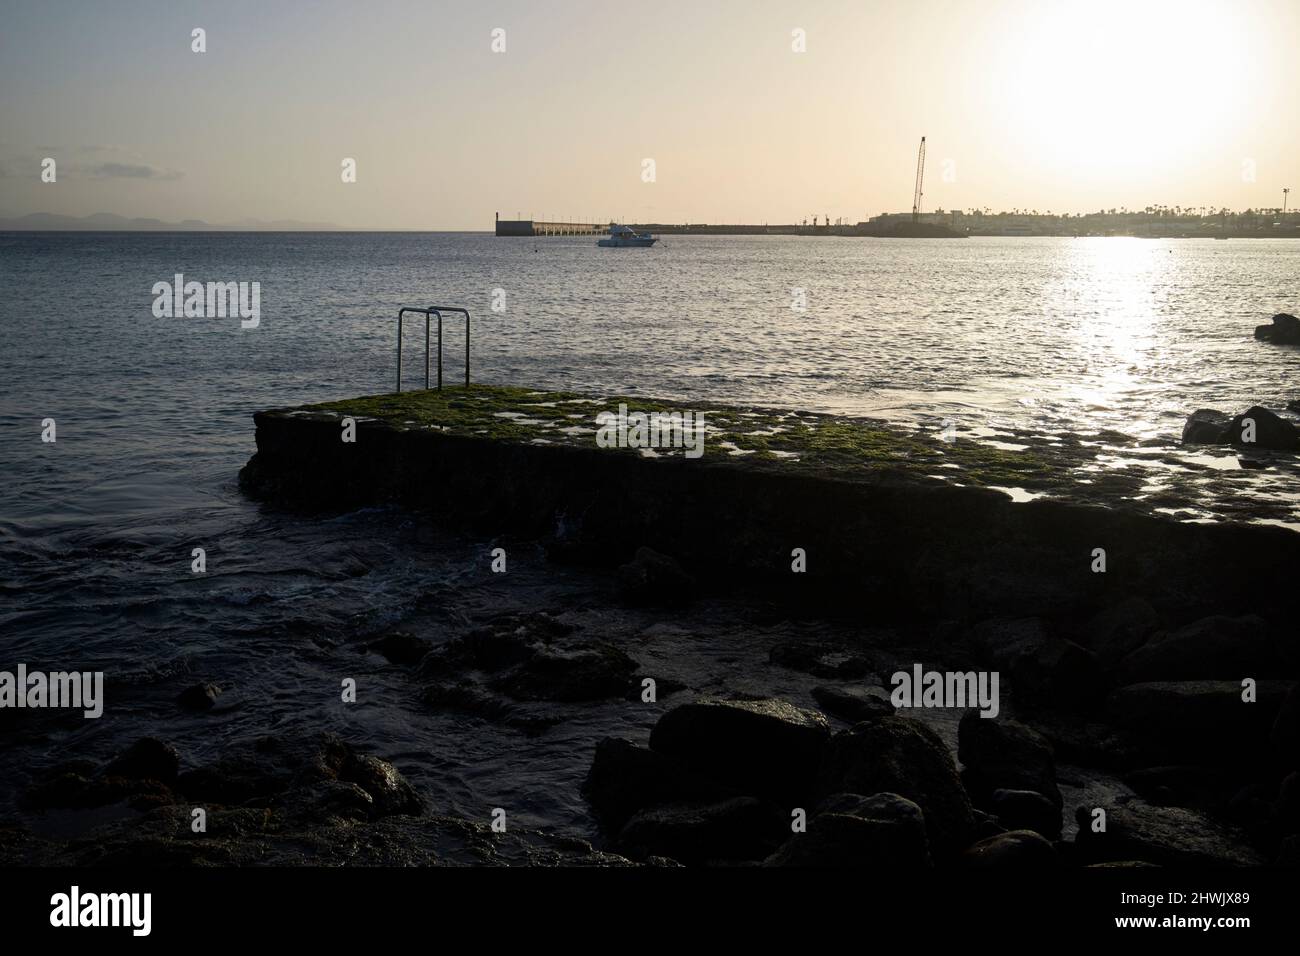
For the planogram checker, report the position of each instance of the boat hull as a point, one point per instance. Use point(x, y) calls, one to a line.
point(620, 243)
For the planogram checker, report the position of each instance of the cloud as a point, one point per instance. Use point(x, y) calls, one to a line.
point(131, 171)
point(82, 162)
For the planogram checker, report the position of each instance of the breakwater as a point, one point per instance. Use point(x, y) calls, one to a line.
point(861, 502)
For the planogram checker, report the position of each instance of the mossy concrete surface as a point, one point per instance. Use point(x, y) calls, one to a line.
point(873, 509)
point(848, 447)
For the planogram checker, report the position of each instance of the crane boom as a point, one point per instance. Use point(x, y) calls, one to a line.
point(920, 176)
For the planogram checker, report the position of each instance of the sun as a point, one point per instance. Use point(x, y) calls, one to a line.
point(1112, 88)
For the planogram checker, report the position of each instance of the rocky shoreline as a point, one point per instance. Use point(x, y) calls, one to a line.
point(742, 707)
point(830, 773)
point(1125, 715)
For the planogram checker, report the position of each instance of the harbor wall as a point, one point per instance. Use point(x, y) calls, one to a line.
point(882, 548)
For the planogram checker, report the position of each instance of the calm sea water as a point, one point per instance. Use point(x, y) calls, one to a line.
point(154, 421)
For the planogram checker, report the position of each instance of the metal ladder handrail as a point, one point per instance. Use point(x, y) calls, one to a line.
point(428, 313)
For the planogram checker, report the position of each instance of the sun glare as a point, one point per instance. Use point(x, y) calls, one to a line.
point(1115, 87)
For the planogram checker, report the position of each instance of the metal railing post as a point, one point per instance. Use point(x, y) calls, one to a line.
point(439, 350)
point(429, 313)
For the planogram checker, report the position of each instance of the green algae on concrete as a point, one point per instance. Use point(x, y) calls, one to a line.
point(853, 446)
point(1104, 468)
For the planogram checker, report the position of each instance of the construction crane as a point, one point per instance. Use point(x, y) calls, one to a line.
point(920, 175)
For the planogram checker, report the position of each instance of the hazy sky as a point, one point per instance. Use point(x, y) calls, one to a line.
point(1037, 104)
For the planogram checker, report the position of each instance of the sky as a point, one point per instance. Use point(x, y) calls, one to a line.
point(750, 110)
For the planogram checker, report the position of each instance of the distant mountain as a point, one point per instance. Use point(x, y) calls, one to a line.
point(106, 221)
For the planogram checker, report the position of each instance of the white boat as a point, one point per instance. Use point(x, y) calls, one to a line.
point(620, 236)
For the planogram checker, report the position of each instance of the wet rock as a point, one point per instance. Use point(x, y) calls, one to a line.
point(1205, 426)
point(986, 825)
point(1197, 721)
point(1165, 836)
point(625, 779)
point(1120, 629)
point(769, 748)
point(820, 659)
point(1251, 809)
point(1286, 809)
point(738, 829)
point(470, 698)
point(495, 648)
point(532, 658)
point(1211, 648)
point(1184, 785)
point(1004, 754)
point(346, 800)
point(71, 790)
point(1284, 330)
point(885, 832)
point(655, 579)
point(853, 704)
point(1013, 850)
point(380, 779)
point(402, 648)
point(593, 672)
point(1045, 670)
point(1272, 432)
point(300, 776)
point(903, 756)
point(199, 697)
point(1027, 810)
point(146, 759)
point(1284, 736)
point(1288, 854)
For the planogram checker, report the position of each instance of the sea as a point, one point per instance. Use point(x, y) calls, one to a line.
point(152, 420)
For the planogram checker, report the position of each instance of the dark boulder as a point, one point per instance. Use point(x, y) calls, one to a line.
point(1285, 330)
point(1205, 426)
point(146, 759)
point(389, 791)
point(1271, 431)
point(1198, 722)
point(820, 659)
point(885, 832)
point(592, 672)
point(529, 658)
point(1166, 836)
point(302, 776)
point(903, 756)
point(625, 778)
point(853, 704)
point(505, 643)
point(769, 748)
point(1284, 736)
point(1013, 850)
point(199, 697)
point(655, 579)
point(402, 648)
point(1184, 785)
point(1286, 808)
point(1003, 754)
point(742, 828)
point(1119, 629)
point(1027, 810)
point(1288, 854)
point(1045, 669)
point(468, 697)
point(1211, 648)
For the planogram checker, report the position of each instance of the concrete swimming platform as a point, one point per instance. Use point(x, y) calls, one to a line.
point(908, 525)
